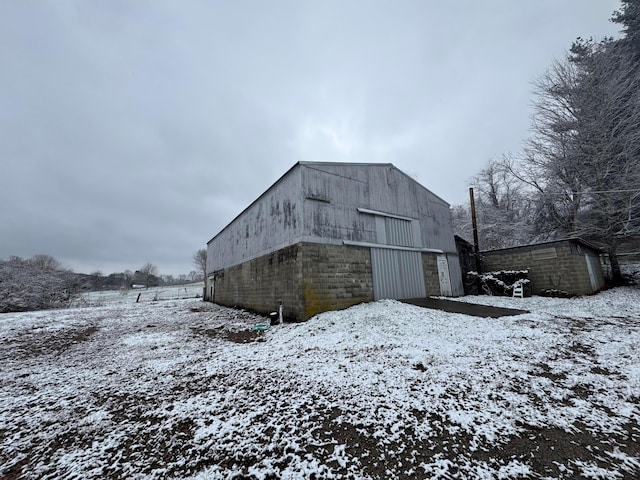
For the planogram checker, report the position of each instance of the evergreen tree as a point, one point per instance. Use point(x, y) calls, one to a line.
point(629, 17)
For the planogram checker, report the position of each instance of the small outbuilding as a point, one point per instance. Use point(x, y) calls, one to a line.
point(570, 265)
point(327, 236)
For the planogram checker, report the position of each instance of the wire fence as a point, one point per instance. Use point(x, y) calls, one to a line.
point(137, 295)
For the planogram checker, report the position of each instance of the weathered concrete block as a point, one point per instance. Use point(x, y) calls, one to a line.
point(309, 278)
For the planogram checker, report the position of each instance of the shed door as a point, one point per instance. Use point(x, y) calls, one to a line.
point(593, 271)
point(397, 274)
point(443, 276)
point(211, 284)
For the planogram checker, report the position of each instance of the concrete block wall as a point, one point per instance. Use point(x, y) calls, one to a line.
point(309, 278)
point(335, 277)
point(431, 279)
point(258, 284)
point(567, 271)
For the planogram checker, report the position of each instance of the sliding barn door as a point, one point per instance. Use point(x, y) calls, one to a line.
point(397, 274)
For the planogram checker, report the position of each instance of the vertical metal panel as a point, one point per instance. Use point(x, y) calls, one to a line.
point(398, 232)
point(397, 274)
point(417, 234)
point(381, 230)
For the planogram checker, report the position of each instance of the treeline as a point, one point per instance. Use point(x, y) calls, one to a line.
point(41, 282)
point(579, 172)
point(138, 278)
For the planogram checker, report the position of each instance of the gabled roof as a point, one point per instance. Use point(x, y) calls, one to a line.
point(332, 164)
point(389, 165)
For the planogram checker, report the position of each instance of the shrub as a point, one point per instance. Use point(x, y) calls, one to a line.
point(498, 283)
point(27, 284)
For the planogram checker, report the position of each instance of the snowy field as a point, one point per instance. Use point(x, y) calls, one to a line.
point(185, 389)
point(152, 294)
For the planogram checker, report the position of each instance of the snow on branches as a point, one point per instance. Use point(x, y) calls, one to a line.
point(31, 284)
point(499, 283)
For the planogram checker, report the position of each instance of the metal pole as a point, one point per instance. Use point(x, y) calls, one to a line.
point(474, 222)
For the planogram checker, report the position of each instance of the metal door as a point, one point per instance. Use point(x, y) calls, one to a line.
point(397, 274)
point(593, 275)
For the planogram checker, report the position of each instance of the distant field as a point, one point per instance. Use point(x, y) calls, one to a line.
point(172, 292)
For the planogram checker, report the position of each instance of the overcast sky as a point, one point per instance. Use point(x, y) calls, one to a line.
point(133, 131)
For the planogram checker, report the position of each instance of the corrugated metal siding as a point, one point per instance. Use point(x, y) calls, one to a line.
point(398, 232)
point(274, 220)
point(319, 203)
point(397, 274)
point(383, 188)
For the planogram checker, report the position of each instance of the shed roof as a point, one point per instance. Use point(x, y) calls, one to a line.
point(533, 246)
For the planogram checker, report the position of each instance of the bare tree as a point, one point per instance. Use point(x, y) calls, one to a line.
point(579, 174)
point(97, 276)
point(586, 151)
point(502, 207)
point(610, 140)
point(45, 262)
point(148, 275)
point(629, 17)
point(200, 262)
point(549, 164)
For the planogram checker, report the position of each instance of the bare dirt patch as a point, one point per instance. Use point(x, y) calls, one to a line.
point(234, 336)
point(37, 342)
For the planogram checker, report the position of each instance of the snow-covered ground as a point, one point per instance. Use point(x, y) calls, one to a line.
point(133, 295)
point(185, 389)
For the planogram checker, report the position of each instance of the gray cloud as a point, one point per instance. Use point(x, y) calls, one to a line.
point(134, 131)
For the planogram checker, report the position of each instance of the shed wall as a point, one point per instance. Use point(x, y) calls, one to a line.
point(556, 267)
point(335, 277)
point(320, 202)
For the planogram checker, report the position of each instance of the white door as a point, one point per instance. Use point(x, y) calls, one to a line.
point(443, 276)
point(211, 284)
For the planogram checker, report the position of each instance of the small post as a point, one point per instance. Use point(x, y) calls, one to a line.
point(474, 222)
point(138, 299)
